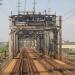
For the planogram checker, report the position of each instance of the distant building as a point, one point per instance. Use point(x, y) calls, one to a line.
point(68, 50)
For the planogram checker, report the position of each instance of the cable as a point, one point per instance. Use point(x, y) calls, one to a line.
point(69, 16)
point(70, 11)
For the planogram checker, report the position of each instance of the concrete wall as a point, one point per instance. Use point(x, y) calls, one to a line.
point(68, 52)
point(68, 46)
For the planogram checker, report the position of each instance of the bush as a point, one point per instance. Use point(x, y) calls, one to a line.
point(4, 48)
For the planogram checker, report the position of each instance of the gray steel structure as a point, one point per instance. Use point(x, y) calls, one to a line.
point(40, 29)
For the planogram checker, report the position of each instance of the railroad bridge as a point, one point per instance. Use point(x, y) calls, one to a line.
point(35, 46)
point(41, 31)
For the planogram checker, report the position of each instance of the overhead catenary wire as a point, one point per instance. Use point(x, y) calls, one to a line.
point(68, 17)
point(69, 12)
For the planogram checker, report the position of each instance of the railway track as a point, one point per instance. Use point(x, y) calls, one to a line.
point(40, 69)
point(49, 68)
point(55, 67)
point(31, 63)
point(44, 64)
point(27, 65)
point(65, 70)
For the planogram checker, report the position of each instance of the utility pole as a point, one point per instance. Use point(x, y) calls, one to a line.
point(24, 6)
point(49, 7)
point(34, 6)
point(18, 6)
point(0, 2)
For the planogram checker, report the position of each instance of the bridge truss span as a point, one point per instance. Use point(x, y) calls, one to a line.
point(39, 31)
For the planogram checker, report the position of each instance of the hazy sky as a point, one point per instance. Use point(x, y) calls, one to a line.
point(64, 8)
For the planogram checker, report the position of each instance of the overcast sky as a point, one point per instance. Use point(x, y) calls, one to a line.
point(64, 8)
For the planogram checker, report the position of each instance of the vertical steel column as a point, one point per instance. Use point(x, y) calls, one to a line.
point(11, 45)
point(60, 38)
point(55, 44)
point(11, 39)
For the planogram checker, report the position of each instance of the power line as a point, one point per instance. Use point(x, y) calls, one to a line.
point(70, 11)
point(70, 16)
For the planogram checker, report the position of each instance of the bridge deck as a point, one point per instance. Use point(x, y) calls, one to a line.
point(30, 62)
